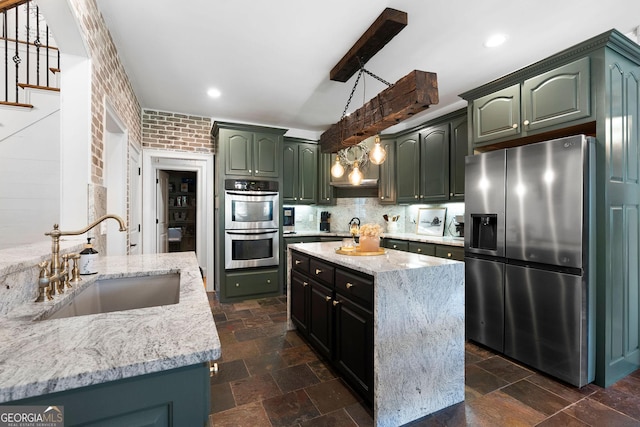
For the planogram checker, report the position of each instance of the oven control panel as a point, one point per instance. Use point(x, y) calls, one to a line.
point(249, 185)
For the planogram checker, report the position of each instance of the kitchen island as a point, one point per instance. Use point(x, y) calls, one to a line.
point(146, 363)
point(416, 306)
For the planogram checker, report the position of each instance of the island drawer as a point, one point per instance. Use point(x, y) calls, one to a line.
point(299, 262)
point(400, 245)
point(450, 252)
point(321, 270)
point(354, 286)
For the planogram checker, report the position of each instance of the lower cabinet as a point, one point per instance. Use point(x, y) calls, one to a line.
point(177, 397)
point(332, 307)
point(252, 282)
point(431, 249)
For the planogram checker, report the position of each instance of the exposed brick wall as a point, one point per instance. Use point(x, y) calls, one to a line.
point(108, 80)
point(177, 132)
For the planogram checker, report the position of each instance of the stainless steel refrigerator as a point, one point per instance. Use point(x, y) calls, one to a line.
point(529, 267)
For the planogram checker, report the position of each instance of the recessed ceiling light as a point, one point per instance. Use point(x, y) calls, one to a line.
point(214, 93)
point(495, 40)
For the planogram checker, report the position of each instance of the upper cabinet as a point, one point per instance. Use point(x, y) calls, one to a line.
point(300, 169)
point(387, 179)
point(325, 190)
point(429, 162)
point(544, 102)
point(249, 151)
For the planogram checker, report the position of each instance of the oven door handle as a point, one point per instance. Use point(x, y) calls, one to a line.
point(246, 232)
point(250, 193)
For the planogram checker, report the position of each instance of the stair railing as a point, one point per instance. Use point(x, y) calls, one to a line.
point(22, 41)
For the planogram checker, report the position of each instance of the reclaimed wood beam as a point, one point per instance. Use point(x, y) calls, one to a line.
point(384, 28)
point(412, 94)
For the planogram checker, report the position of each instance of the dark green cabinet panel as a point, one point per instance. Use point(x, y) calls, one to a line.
point(400, 245)
point(422, 248)
point(239, 153)
point(300, 172)
point(408, 168)
point(251, 282)
point(320, 325)
point(557, 96)
point(325, 190)
point(434, 163)
point(266, 155)
point(459, 149)
point(450, 252)
point(387, 180)
point(354, 344)
point(497, 115)
point(177, 397)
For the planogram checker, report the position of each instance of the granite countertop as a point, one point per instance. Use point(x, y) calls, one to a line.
point(45, 356)
point(440, 240)
point(391, 261)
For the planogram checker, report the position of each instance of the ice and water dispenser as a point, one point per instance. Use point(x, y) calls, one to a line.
point(484, 231)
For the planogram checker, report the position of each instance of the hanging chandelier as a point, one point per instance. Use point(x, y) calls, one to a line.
point(354, 158)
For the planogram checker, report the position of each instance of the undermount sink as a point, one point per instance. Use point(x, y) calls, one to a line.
point(124, 293)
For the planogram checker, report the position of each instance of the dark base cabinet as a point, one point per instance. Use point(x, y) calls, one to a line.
point(332, 309)
point(178, 397)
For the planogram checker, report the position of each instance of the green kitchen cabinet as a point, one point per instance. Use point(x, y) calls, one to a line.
point(422, 248)
point(300, 172)
point(325, 190)
point(176, 397)
point(257, 281)
point(408, 168)
point(249, 151)
point(548, 100)
point(449, 252)
point(387, 179)
point(429, 161)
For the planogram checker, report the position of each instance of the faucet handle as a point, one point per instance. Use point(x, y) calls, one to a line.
point(44, 286)
point(75, 271)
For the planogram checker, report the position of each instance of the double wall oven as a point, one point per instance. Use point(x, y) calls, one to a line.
point(252, 210)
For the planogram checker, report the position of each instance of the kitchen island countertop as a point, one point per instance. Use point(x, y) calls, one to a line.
point(439, 240)
point(418, 324)
point(46, 356)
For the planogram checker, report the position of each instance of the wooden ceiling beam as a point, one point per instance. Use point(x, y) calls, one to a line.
point(412, 94)
point(384, 28)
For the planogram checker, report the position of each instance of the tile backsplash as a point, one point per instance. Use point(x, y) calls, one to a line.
point(370, 211)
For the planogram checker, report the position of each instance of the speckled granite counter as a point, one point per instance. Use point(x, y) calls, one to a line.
point(440, 240)
point(418, 329)
point(39, 357)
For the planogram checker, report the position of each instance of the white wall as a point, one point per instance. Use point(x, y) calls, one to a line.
point(30, 182)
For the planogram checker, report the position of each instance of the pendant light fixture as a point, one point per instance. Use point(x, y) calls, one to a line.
point(378, 154)
point(355, 177)
point(337, 170)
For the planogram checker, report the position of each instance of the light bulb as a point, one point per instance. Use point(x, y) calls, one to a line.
point(355, 177)
point(378, 154)
point(337, 170)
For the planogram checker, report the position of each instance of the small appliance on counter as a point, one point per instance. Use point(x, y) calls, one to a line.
point(458, 221)
point(325, 225)
point(288, 220)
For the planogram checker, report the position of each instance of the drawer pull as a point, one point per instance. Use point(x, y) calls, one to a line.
point(268, 280)
point(336, 303)
point(305, 283)
point(349, 285)
point(318, 271)
point(395, 246)
point(419, 250)
point(237, 285)
point(327, 298)
point(448, 254)
point(298, 262)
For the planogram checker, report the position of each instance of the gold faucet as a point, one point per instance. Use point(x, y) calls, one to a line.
point(56, 277)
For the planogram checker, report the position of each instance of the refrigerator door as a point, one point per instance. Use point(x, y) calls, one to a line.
point(545, 202)
point(484, 307)
point(484, 203)
point(545, 322)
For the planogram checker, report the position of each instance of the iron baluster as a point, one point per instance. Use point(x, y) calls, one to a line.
point(5, 34)
point(37, 43)
point(16, 57)
point(47, 72)
point(27, 18)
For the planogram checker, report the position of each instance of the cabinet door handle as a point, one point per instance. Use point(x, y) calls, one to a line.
point(327, 298)
point(237, 285)
point(249, 170)
point(526, 123)
point(318, 271)
point(298, 262)
point(415, 197)
point(395, 246)
point(448, 254)
point(515, 126)
point(336, 303)
point(382, 198)
point(349, 285)
point(305, 283)
point(268, 280)
point(419, 250)
point(450, 194)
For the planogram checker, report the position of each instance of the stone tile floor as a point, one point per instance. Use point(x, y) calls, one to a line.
point(270, 377)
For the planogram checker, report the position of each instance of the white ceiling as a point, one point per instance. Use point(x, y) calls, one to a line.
point(271, 59)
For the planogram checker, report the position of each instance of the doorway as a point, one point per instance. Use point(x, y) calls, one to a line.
point(181, 204)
